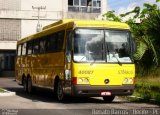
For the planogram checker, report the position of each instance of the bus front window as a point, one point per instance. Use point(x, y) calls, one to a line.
point(99, 45)
point(118, 46)
point(89, 45)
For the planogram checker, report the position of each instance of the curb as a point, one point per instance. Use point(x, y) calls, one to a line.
point(150, 100)
point(7, 93)
point(135, 97)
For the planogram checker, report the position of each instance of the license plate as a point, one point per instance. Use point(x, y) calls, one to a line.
point(106, 93)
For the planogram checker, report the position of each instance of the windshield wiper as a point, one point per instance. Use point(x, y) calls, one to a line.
point(93, 62)
point(82, 58)
point(117, 59)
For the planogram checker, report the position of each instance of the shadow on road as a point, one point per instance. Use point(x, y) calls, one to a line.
point(44, 95)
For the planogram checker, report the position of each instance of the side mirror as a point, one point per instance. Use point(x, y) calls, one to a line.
point(68, 56)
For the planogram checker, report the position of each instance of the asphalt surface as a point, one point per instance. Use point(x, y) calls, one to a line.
point(42, 102)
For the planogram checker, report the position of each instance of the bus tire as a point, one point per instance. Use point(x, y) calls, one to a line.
point(60, 92)
point(25, 84)
point(29, 85)
point(108, 99)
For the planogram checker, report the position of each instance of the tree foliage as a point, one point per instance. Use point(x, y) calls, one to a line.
point(111, 16)
point(146, 33)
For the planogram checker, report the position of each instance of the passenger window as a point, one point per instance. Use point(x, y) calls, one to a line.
point(24, 49)
point(36, 46)
point(55, 42)
point(51, 43)
point(60, 40)
point(19, 47)
point(68, 45)
point(29, 47)
point(69, 41)
point(42, 45)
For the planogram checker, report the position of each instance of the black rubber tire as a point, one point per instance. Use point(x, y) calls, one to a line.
point(29, 85)
point(60, 93)
point(25, 84)
point(108, 99)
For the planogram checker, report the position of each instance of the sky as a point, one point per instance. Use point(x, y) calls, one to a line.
point(122, 6)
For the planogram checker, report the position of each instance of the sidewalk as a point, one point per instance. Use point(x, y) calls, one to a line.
point(10, 85)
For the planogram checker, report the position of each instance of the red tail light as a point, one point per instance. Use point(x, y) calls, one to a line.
point(74, 80)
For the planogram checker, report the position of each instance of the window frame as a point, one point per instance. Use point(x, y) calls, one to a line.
point(19, 50)
point(25, 49)
point(31, 45)
point(36, 42)
point(55, 36)
point(42, 40)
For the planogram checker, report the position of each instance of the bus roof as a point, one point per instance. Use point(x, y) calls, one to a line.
point(90, 23)
point(78, 23)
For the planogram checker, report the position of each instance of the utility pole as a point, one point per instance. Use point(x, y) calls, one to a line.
point(39, 26)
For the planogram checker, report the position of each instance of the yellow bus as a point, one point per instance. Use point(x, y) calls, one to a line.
point(78, 58)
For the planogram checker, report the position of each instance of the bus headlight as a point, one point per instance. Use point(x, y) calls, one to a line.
point(85, 80)
point(82, 81)
point(128, 81)
point(125, 81)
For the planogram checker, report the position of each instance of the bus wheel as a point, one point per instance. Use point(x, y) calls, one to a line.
point(60, 93)
point(25, 84)
point(30, 87)
point(108, 99)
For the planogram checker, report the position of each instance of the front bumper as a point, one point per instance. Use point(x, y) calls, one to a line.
point(88, 90)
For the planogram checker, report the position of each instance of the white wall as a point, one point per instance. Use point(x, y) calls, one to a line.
point(8, 45)
point(52, 13)
point(51, 5)
point(28, 27)
point(104, 6)
point(55, 10)
point(10, 4)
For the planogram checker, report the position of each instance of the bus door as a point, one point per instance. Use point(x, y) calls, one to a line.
point(68, 53)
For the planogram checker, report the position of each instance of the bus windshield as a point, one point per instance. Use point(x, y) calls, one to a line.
point(99, 45)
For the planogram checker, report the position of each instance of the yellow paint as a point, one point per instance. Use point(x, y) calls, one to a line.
point(97, 73)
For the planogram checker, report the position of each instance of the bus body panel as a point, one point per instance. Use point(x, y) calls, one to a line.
point(42, 68)
point(47, 67)
point(98, 73)
point(96, 91)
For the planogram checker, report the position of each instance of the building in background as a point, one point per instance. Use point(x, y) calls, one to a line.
point(10, 32)
point(18, 19)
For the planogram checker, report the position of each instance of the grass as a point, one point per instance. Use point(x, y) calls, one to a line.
point(148, 88)
point(2, 90)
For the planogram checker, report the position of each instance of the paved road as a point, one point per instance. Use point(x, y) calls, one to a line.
point(43, 103)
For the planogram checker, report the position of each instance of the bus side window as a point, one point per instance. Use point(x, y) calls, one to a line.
point(19, 47)
point(24, 49)
point(29, 47)
point(51, 43)
point(36, 46)
point(68, 46)
point(60, 40)
point(42, 46)
point(47, 44)
point(55, 42)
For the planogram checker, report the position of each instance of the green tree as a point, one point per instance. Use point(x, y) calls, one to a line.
point(110, 16)
point(146, 33)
